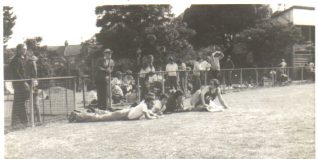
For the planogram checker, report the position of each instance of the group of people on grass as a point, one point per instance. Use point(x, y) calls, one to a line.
point(152, 106)
point(153, 103)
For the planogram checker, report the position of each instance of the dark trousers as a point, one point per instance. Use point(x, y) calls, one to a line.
point(196, 83)
point(228, 77)
point(103, 93)
point(182, 82)
point(215, 74)
point(19, 113)
point(172, 82)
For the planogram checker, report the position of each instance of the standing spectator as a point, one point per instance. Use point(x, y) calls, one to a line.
point(228, 73)
point(196, 74)
point(205, 67)
point(21, 88)
point(312, 70)
point(283, 66)
point(31, 72)
point(216, 56)
point(104, 67)
point(182, 75)
point(172, 69)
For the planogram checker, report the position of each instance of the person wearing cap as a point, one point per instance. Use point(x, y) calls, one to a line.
point(21, 88)
point(203, 99)
point(171, 69)
point(104, 67)
point(143, 109)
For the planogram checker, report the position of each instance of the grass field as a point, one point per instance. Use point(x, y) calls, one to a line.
point(264, 123)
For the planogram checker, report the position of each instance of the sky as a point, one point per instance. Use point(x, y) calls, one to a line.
point(71, 20)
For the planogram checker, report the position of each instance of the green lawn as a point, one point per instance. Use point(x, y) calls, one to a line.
point(263, 123)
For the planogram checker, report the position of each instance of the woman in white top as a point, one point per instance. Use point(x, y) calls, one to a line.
point(143, 109)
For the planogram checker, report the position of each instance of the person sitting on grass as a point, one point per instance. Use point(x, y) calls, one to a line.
point(203, 99)
point(160, 105)
point(175, 102)
point(143, 109)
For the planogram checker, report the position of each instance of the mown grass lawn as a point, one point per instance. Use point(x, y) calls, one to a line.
point(264, 123)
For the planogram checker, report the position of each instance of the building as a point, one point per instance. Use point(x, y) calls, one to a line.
point(304, 18)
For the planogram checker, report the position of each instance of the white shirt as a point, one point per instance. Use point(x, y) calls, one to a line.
point(138, 111)
point(171, 69)
point(196, 68)
point(205, 65)
point(143, 72)
point(215, 61)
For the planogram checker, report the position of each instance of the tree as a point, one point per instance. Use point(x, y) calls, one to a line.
point(150, 28)
point(44, 63)
point(268, 41)
point(217, 24)
point(8, 23)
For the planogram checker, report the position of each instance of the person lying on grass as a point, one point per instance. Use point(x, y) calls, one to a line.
point(143, 109)
point(204, 98)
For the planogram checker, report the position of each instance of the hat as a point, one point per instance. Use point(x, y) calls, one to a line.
point(108, 51)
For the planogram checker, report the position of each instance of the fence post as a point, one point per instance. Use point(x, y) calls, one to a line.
point(241, 78)
point(163, 82)
point(138, 87)
point(31, 103)
point(74, 92)
point(84, 100)
point(110, 91)
point(256, 77)
point(205, 77)
point(43, 103)
point(50, 99)
point(302, 74)
point(66, 100)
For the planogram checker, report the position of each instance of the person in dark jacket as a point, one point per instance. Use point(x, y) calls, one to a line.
point(21, 88)
point(228, 65)
point(104, 67)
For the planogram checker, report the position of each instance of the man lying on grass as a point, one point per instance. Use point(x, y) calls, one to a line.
point(133, 113)
point(204, 98)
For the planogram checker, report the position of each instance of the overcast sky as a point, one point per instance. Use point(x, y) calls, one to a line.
point(73, 20)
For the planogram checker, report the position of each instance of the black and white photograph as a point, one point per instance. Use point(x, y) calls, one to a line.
point(131, 79)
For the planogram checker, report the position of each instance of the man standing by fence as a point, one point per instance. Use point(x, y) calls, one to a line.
point(21, 88)
point(104, 67)
point(229, 65)
point(216, 56)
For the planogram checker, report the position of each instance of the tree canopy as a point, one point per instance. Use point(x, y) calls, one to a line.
point(8, 23)
point(268, 41)
point(148, 28)
point(217, 24)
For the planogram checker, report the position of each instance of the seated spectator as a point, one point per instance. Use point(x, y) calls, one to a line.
point(160, 105)
point(117, 93)
point(203, 99)
point(175, 102)
point(128, 82)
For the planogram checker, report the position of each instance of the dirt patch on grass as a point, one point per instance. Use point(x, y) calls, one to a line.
point(264, 123)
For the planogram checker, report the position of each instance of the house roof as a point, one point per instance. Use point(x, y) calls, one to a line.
point(59, 49)
point(72, 50)
point(279, 13)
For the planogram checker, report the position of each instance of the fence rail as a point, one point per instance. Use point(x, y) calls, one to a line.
point(51, 99)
